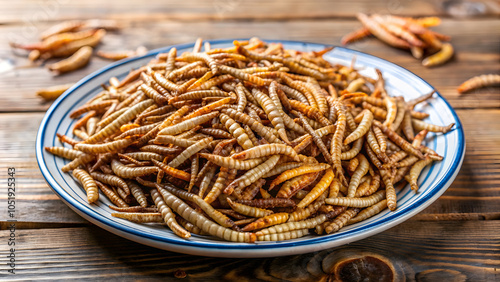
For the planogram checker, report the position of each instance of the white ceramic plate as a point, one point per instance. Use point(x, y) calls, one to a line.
point(433, 181)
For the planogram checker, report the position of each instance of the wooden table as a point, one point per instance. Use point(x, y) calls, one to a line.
point(455, 239)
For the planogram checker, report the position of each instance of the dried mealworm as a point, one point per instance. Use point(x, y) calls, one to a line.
point(421, 125)
point(51, 93)
point(382, 34)
point(131, 172)
point(89, 184)
point(360, 171)
point(288, 235)
point(341, 220)
point(168, 216)
point(399, 140)
point(369, 212)
point(304, 169)
point(362, 128)
point(440, 57)
point(267, 150)
point(139, 217)
point(357, 202)
point(479, 82)
point(319, 189)
point(268, 220)
point(272, 112)
point(76, 61)
point(415, 172)
point(248, 210)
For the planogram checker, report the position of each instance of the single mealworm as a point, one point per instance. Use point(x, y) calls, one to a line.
point(89, 184)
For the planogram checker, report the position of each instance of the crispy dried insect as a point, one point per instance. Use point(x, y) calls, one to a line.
point(111, 195)
point(89, 184)
point(78, 60)
point(390, 192)
point(168, 216)
point(336, 149)
point(319, 189)
point(304, 169)
point(272, 112)
point(112, 180)
point(341, 220)
point(310, 112)
point(232, 163)
point(64, 152)
point(288, 235)
point(248, 210)
point(115, 125)
point(399, 140)
point(360, 171)
point(421, 125)
point(317, 140)
point(356, 35)
point(267, 150)
point(415, 172)
point(362, 128)
point(112, 146)
point(65, 26)
point(369, 212)
point(256, 126)
point(131, 172)
point(269, 220)
point(203, 223)
point(440, 57)
point(254, 174)
point(378, 31)
point(88, 108)
point(139, 217)
point(478, 82)
point(187, 124)
point(357, 202)
point(53, 92)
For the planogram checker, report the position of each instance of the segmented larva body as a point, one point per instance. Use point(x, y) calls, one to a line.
point(272, 112)
point(478, 82)
point(139, 217)
point(191, 150)
point(242, 75)
point(293, 225)
point(78, 60)
point(203, 223)
point(310, 112)
point(168, 216)
point(64, 152)
point(231, 163)
point(187, 124)
point(269, 220)
point(360, 171)
point(138, 193)
point(400, 113)
point(390, 192)
point(180, 174)
point(362, 128)
point(369, 212)
point(113, 195)
point(255, 173)
point(319, 189)
point(421, 125)
point(131, 172)
point(398, 140)
point(112, 180)
point(357, 202)
point(303, 169)
point(256, 126)
point(115, 125)
point(112, 146)
point(317, 140)
point(153, 94)
point(292, 186)
point(88, 183)
point(267, 150)
point(415, 171)
point(144, 156)
point(199, 94)
point(284, 236)
point(248, 210)
point(341, 220)
point(441, 57)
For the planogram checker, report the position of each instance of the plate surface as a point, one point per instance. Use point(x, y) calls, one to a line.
point(434, 180)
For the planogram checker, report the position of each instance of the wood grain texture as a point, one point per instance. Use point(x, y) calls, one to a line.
point(417, 251)
point(476, 43)
point(31, 12)
point(474, 194)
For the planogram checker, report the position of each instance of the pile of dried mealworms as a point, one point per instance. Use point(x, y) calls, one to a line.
point(251, 142)
point(74, 41)
point(406, 33)
point(479, 81)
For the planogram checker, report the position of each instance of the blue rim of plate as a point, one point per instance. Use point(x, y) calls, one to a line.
point(205, 248)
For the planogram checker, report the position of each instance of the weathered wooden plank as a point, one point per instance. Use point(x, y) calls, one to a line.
point(30, 12)
point(474, 194)
point(19, 85)
point(421, 251)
